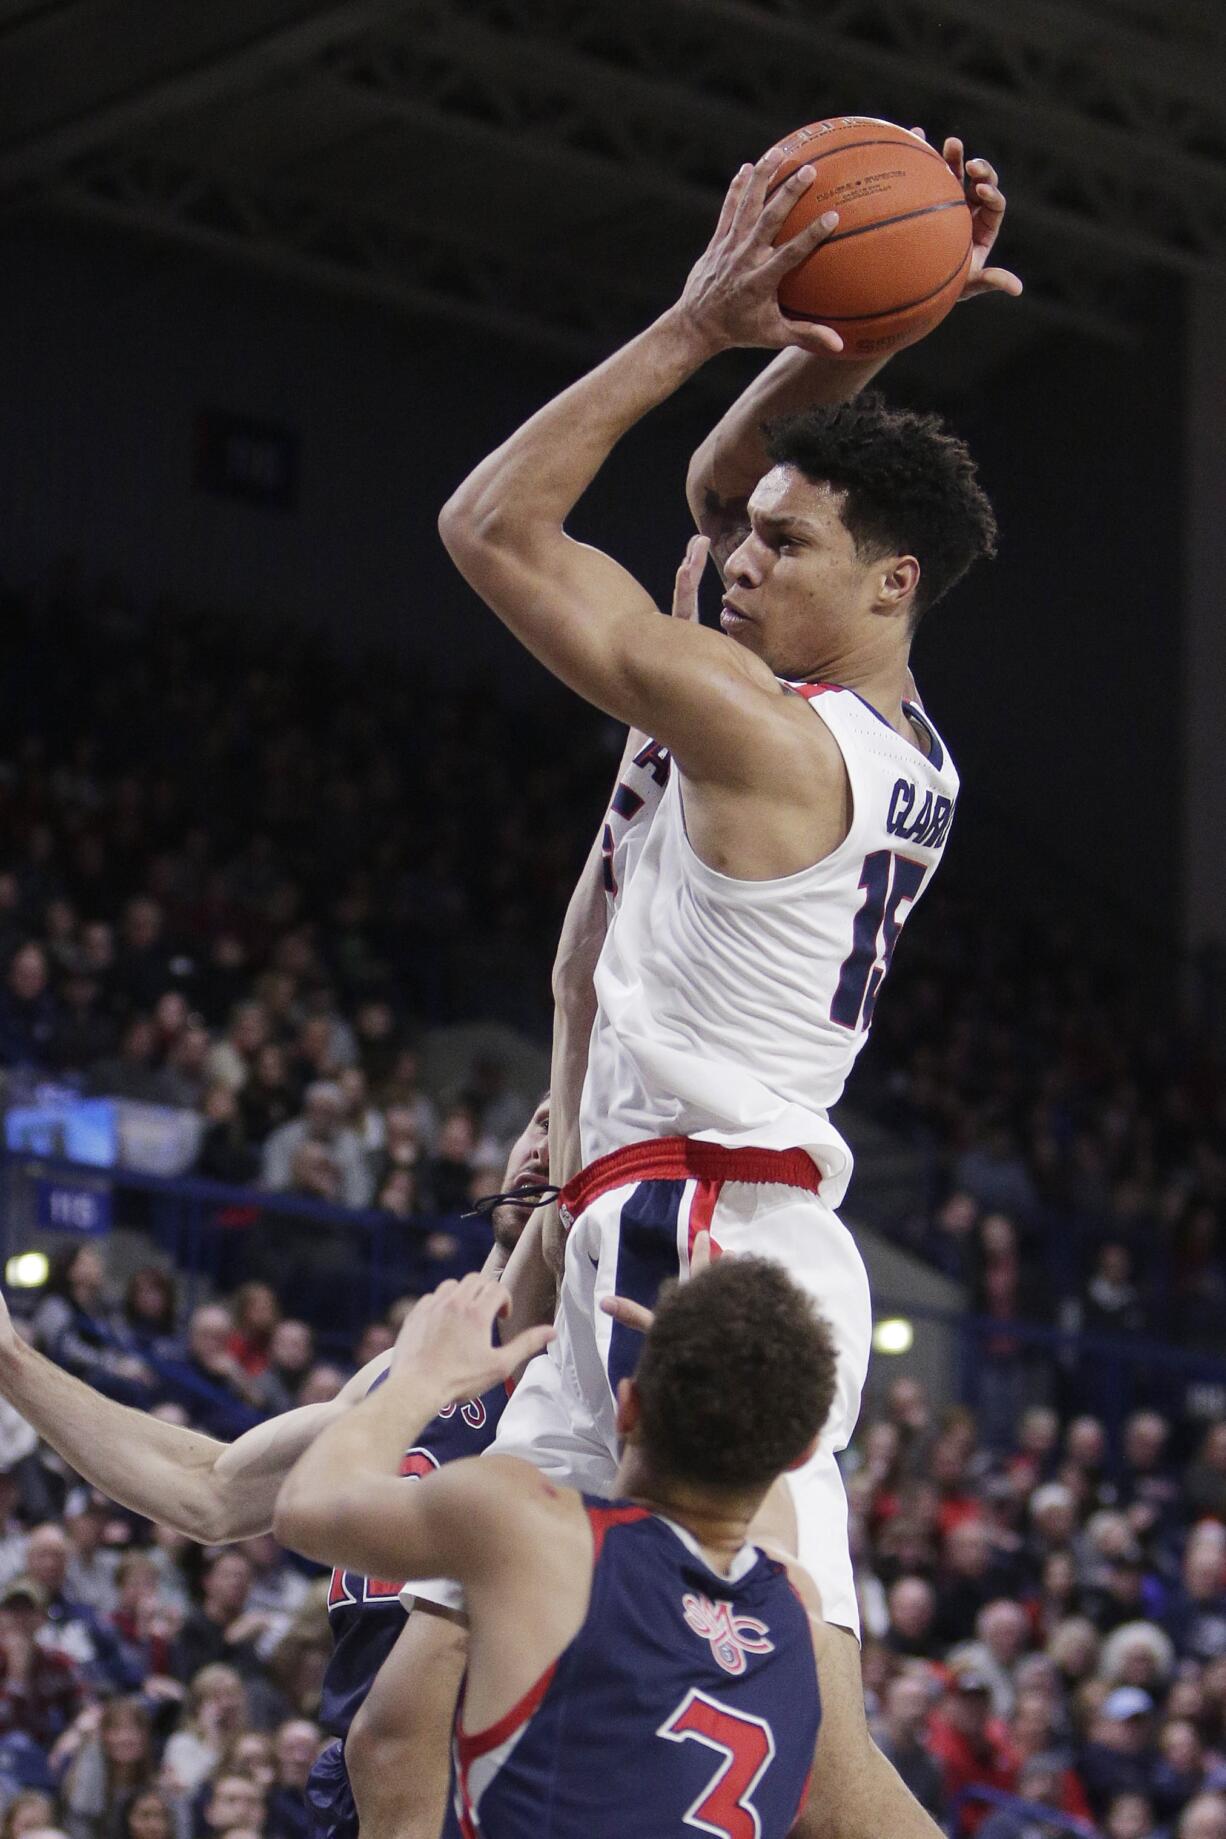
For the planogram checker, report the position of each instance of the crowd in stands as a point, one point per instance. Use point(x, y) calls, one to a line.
point(1045, 1619)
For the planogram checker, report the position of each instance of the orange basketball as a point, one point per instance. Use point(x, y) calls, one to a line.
point(897, 261)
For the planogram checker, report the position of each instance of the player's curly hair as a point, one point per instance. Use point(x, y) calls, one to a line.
point(736, 1378)
point(912, 487)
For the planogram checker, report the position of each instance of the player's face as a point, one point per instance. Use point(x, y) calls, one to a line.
point(527, 1167)
point(796, 592)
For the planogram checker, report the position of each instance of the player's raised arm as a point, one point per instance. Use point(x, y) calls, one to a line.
point(729, 463)
point(210, 1491)
point(343, 1503)
point(576, 609)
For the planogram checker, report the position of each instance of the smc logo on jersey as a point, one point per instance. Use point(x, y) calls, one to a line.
point(731, 1636)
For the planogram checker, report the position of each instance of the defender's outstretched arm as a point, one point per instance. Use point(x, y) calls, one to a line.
point(209, 1491)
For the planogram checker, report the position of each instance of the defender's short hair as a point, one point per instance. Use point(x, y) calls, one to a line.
point(737, 1376)
point(911, 485)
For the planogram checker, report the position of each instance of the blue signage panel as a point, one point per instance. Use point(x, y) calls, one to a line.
point(68, 1206)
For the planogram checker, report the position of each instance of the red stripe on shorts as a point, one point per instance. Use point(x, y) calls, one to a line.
point(686, 1159)
point(702, 1212)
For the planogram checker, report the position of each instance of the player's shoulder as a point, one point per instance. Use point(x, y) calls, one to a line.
point(802, 1583)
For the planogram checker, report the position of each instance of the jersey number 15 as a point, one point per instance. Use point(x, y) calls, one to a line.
point(890, 882)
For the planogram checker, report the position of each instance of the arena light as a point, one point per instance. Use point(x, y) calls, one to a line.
point(893, 1334)
point(27, 1270)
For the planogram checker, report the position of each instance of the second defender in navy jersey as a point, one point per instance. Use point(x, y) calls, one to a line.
point(366, 1617)
point(216, 1493)
point(635, 1666)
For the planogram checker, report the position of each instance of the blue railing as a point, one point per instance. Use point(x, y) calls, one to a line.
point(1052, 1820)
point(335, 1267)
point(1004, 1366)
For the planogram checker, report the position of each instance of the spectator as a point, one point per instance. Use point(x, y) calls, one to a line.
point(74, 1628)
point(267, 1097)
point(233, 1804)
point(291, 1354)
point(151, 1313)
point(1039, 1785)
point(1203, 1818)
point(221, 1628)
point(108, 1754)
point(236, 1057)
point(296, 1746)
point(256, 1313)
point(76, 1326)
point(912, 1611)
point(85, 1032)
point(1120, 1757)
point(148, 1815)
point(1130, 1816)
point(970, 1745)
point(225, 1154)
point(970, 1577)
point(29, 1013)
point(216, 1713)
point(1001, 1632)
point(133, 1072)
point(1196, 1619)
point(901, 1739)
point(40, 1688)
point(320, 1128)
point(1205, 1482)
point(29, 1808)
point(448, 1172)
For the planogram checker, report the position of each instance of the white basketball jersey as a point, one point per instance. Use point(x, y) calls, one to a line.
point(734, 1010)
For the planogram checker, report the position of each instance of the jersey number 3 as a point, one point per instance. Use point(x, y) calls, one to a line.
point(890, 883)
point(746, 1745)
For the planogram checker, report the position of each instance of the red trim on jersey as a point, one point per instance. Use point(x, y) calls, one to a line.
point(702, 1212)
point(810, 690)
point(601, 1519)
point(686, 1159)
point(480, 1743)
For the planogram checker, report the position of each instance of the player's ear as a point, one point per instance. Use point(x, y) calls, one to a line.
point(805, 1455)
point(629, 1410)
point(896, 589)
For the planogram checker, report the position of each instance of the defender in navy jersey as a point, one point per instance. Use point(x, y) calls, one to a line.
point(366, 1616)
point(635, 1666)
point(216, 1493)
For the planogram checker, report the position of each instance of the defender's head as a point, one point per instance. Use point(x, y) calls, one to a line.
point(867, 517)
point(735, 1382)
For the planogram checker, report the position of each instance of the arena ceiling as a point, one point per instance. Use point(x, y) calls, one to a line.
point(544, 168)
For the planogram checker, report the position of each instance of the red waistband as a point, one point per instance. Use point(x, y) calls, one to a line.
point(685, 1159)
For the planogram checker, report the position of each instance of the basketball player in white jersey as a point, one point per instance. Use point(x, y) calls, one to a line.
point(762, 852)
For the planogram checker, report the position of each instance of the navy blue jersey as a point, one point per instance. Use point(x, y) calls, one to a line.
point(686, 1701)
point(365, 1612)
point(366, 1615)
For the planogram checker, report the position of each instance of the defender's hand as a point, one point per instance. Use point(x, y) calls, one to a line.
point(689, 575)
point(730, 296)
point(448, 1339)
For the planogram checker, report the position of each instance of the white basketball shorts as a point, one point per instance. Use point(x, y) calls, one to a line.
point(634, 1216)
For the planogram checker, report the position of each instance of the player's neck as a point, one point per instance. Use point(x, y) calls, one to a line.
point(718, 1523)
point(884, 683)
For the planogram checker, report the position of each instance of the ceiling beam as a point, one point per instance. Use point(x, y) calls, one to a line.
point(123, 67)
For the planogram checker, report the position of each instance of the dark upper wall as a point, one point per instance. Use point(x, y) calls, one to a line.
point(1051, 673)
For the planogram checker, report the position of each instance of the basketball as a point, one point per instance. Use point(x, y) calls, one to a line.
point(897, 261)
